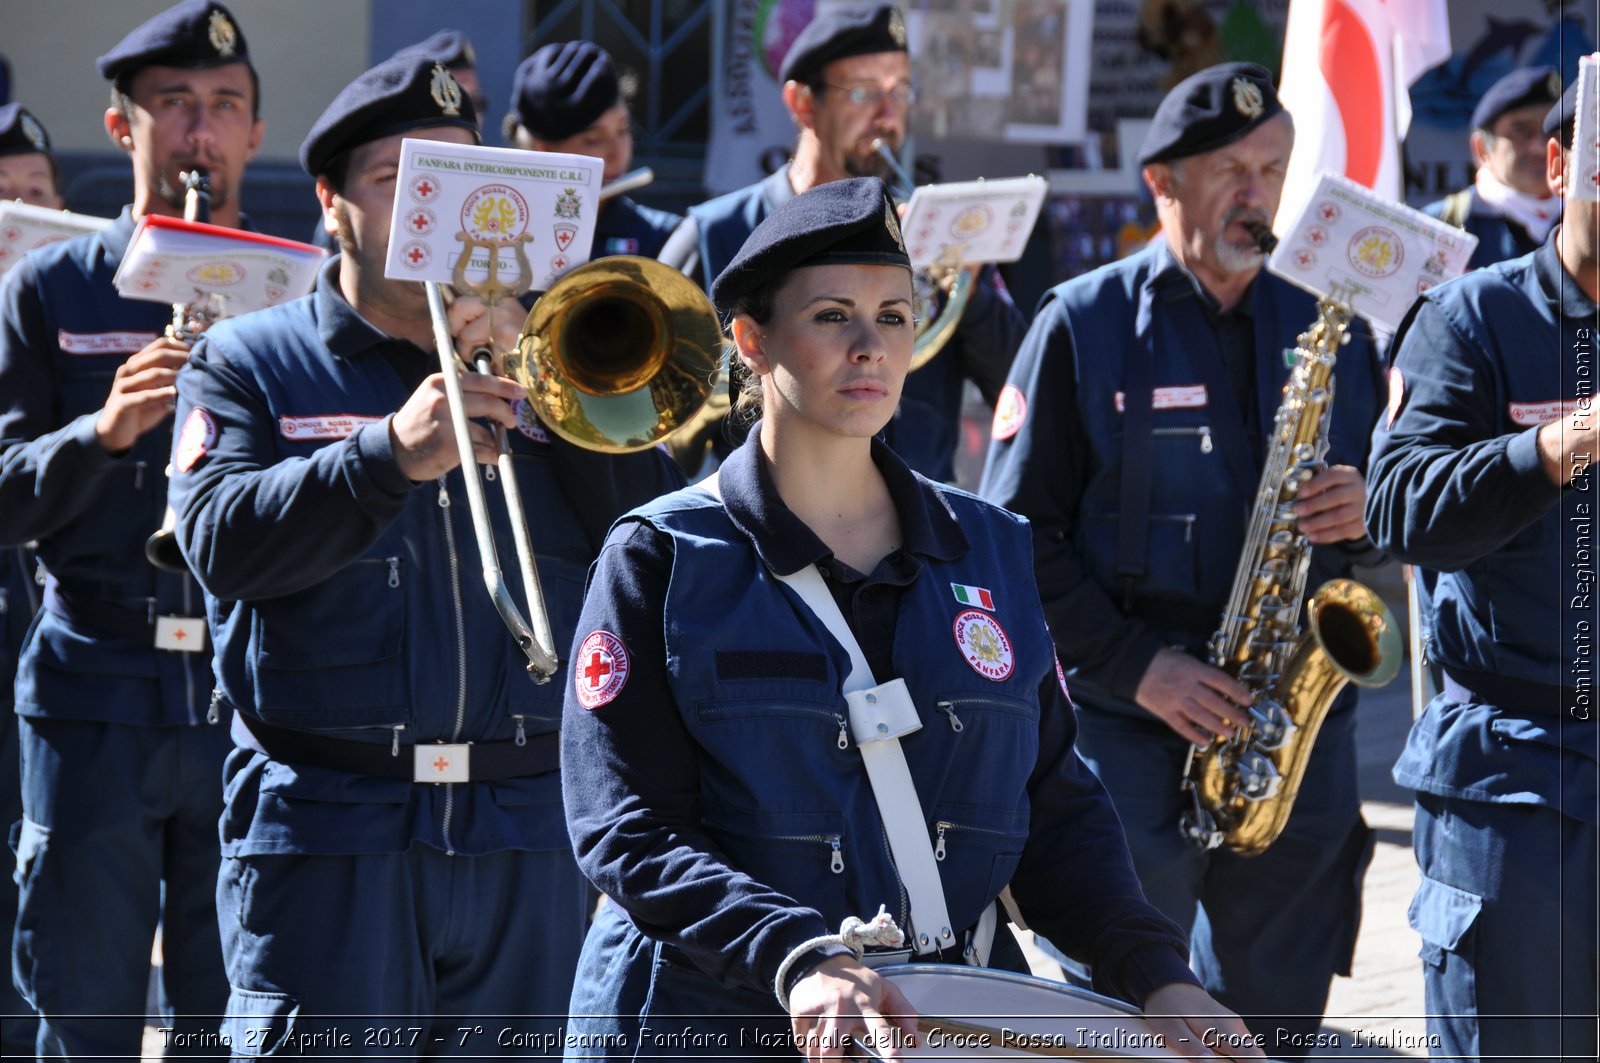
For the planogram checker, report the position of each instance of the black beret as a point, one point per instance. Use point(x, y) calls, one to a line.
point(449, 47)
point(1209, 110)
point(193, 35)
point(1560, 119)
point(560, 90)
point(849, 222)
point(841, 34)
point(396, 96)
point(1527, 87)
point(20, 132)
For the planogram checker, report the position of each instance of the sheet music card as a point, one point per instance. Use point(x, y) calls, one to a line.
point(1385, 253)
point(981, 221)
point(24, 227)
point(531, 207)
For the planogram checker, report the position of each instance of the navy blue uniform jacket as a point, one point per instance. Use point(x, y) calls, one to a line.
point(347, 600)
point(63, 333)
point(712, 790)
point(1458, 488)
point(1061, 464)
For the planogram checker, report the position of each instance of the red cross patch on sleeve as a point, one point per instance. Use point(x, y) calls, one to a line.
point(195, 440)
point(600, 669)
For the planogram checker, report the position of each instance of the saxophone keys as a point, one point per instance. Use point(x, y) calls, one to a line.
point(1258, 776)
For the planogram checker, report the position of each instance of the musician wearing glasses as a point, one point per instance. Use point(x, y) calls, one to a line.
point(1482, 476)
point(120, 749)
point(1509, 207)
point(569, 98)
point(1131, 436)
point(716, 730)
point(393, 842)
point(847, 84)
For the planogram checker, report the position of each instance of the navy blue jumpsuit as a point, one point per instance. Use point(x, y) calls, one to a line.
point(119, 754)
point(351, 625)
point(1504, 759)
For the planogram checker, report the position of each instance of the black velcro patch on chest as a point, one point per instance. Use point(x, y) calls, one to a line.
point(734, 665)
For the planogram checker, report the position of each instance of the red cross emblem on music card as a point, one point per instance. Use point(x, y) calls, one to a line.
point(602, 669)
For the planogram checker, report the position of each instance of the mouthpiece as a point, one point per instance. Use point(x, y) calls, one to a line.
point(1262, 235)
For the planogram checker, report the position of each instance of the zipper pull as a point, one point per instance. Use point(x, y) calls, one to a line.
point(394, 571)
point(955, 721)
point(213, 714)
point(1188, 528)
point(394, 744)
point(844, 734)
point(150, 610)
point(444, 494)
point(138, 475)
point(938, 848)
point(836, 865)
point(1205, 439)
point(522, 734)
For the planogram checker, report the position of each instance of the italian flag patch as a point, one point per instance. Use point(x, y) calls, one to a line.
point(973, 596)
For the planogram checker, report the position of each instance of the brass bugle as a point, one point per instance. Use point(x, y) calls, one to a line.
point(627, 183)
point(188, 321)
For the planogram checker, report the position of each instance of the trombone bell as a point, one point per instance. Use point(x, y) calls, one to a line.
point(618, 354)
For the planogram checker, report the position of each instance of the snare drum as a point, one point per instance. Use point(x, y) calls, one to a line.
point(976, 1013)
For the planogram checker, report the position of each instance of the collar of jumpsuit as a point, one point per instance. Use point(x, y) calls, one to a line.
point(1558, 284)
point(783, 541)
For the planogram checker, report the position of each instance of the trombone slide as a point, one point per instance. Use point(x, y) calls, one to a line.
point(535, 639)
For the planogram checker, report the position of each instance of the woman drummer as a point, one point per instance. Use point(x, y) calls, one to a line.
point(714, 787)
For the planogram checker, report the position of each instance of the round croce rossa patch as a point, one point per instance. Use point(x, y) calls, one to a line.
point(600, 669)
point(985, 645)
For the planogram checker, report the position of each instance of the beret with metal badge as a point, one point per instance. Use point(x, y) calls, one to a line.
point(20, 132)
point(1526, 87)
point(1209, 110)
point(396, 96)
point(841, 34)
point(192, 35)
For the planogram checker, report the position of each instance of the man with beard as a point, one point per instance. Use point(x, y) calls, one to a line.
point(1131, 434)
point(121, 746)
point(1509, 207)
point(393, 843)
point(847, 83)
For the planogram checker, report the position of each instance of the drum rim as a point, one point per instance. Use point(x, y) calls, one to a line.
point(1064, 988)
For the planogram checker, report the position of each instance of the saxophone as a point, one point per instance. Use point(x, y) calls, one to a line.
point(1242, 788)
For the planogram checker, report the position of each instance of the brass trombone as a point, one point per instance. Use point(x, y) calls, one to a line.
point(934, 326)
point(617, 355)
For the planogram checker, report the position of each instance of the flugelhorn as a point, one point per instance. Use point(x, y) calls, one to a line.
point(934, 326)
point(617, 355)
point(188, 321)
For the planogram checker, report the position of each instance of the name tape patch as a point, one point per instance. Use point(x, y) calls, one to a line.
point(323, 426)
point(103, 342)
point(1189, 397)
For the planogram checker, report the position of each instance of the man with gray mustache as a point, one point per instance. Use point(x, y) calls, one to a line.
point(1131, 434)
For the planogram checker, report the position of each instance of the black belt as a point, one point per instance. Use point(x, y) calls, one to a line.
point(1516, 696)
point(537, 755)
point(102, 619)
